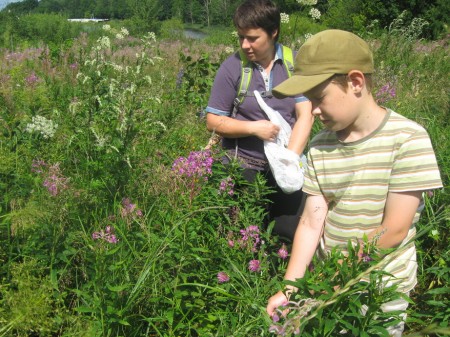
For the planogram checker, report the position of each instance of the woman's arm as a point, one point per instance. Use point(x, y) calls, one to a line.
point(232, 128)
point(302, 127)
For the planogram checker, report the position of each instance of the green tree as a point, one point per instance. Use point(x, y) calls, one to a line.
point(145, 13)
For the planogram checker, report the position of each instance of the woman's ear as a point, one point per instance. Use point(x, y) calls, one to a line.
point(275, 34)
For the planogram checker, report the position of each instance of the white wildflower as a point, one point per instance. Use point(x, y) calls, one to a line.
point(229, 50)
point(315, 13)
point(44, 126)
point(234, 34)
point(284, 18)
point(124, 31)
point(103, 43)
point(106, 27)
point(119, 36)
point(150, 36)
point(307, 36)
point(100, 141)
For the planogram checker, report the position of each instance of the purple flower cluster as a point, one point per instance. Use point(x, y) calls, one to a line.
point(283, 253)
point(386, 93)
point(197, 165)
point(254, 266)
point(222, 277)
point(32, 79)
point(227, 186)
point(106, 235)
point(250, 238)
point(129, 210)
point(54, 180)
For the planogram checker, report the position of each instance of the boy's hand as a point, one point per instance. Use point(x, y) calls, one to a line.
point(277, 300)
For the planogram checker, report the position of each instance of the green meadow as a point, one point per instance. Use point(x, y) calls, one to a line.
point(115, 220)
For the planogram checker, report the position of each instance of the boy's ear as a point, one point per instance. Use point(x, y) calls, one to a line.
point(356, 80)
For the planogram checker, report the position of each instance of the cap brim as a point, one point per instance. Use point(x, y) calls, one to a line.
point(298, 84)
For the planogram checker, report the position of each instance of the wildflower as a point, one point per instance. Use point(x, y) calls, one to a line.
point(234, 34)
point(103, 43)
point(129, 209)
point(106, 27)
point(230, 243)
point(275, 318)
point(32, 79)
point(222, 277)
point(366, 258)
point(106, 235)
point(54, 181)
point(197, 165)
point(254, 266)
point(284, 18)
point(307, 36)
point(282, 252)
point(386, 93)
point(250, 238)
point(315, 13)
point(44, 126)
point(73, 66)
point(119, 36)
point(229, 50)
point(124, 31)
point(226, 186)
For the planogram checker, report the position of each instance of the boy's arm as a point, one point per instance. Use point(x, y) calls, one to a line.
point(302, 127)
point(306, 239)
point(398, 216)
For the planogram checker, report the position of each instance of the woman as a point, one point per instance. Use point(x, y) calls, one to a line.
point(245, 129)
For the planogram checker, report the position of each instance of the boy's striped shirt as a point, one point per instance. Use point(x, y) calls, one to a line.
point(355, 178)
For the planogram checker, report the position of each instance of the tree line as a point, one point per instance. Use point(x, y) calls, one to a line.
point(220, 12)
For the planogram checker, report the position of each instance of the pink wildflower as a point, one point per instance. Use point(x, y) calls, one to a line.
point(222, 277)
point(283, 253)
point(254, 266)
point(106, 235)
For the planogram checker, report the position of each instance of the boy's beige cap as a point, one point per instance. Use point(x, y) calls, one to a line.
point(323, 55)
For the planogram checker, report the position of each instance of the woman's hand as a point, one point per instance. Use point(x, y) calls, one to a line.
point(265, 130)
point(233, 128)
point(276, 301)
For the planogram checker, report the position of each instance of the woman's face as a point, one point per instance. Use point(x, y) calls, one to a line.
point(257, 45)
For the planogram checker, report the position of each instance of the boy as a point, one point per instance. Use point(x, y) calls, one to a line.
point(367, 169)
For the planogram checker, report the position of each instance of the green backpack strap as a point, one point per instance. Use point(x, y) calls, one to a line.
point(246, 76)
point(288, 60)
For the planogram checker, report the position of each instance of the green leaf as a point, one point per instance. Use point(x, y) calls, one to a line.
point(117, 288)
point(84, 309)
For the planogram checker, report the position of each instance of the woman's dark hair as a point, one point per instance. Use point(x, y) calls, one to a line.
point(258, 14)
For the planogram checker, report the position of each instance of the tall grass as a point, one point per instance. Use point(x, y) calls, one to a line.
point(114, 222)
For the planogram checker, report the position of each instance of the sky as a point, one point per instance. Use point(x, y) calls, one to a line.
point(3, 3)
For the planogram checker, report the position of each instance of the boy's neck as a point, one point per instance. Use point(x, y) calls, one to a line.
point(370, 118)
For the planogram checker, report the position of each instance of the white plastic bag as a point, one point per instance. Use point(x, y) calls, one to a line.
point(287, 166)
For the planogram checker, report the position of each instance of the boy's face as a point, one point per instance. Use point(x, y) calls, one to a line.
point(335, 107)
point(257, 45)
